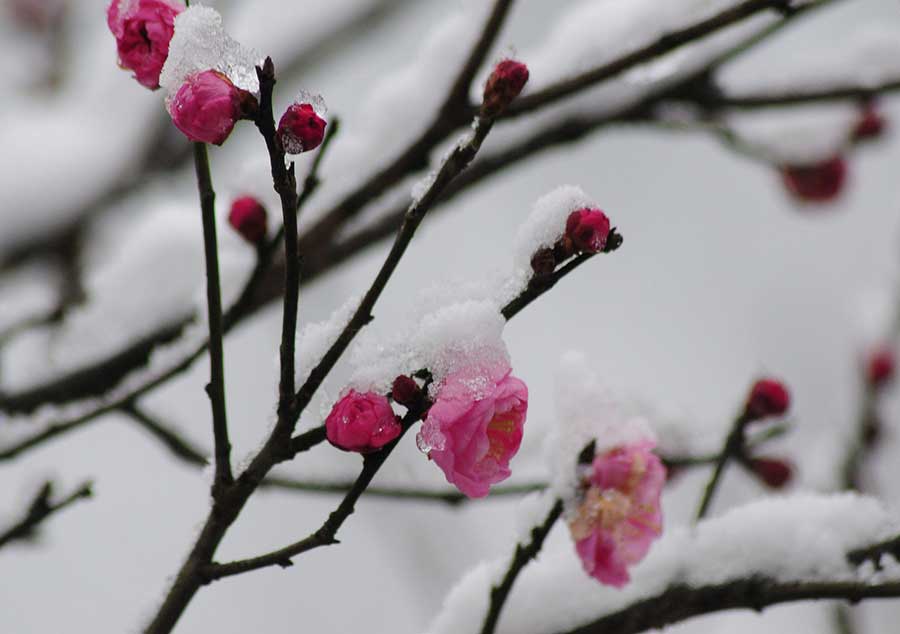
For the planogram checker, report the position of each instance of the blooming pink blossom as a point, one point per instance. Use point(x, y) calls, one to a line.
point(619, 515)
point(819, 182)
point(588, 229)
point(505, 83)
point(249, 218)
point(301, 129)
point(475, 426)
point(143, 30)
point(362, 422)
point(207, 106)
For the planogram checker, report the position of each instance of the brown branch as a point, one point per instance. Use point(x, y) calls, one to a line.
point(766, 99)
point(681, 602)
point(521, 558)
point(40, 509)
point(664, 44)
point(734, 448)
point(215, 389)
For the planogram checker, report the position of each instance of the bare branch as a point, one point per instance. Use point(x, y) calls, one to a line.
point(40, 509)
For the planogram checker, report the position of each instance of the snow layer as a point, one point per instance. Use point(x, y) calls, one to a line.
point(200, 43)
point(547, 222)
point(798, 538)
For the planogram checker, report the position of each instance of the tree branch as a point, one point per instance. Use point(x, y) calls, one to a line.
point(681, 602)
point(216, 386)
point(40, 509)
point(521, 558)
point(734, 447)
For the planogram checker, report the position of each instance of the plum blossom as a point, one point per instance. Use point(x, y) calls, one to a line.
point(588, 229)
point(207, 106)
point(143, 30)
point(249, 218)
point(361, 422)
point(301, 129)
point(818, 183)
point(475, 426)
point(505, 83)
point(619, 514)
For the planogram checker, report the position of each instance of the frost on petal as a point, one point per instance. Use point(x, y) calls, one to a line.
point(200, 43)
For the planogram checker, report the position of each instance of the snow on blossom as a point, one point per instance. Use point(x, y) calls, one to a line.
point(547, 222)
point(795, 538)
point(200, 43)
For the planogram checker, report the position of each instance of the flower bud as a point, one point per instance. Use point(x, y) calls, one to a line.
point(143, 30)
point(768, 397)
point(249, 218)
point(406, 391)
point(588, 229)
point(871, 123)
point(301, 129)
point(880, 367)
point(543, 262)
point(776, 473)
point(819, 182)
point(207, 106)
point(361, 422)
point(504, 85)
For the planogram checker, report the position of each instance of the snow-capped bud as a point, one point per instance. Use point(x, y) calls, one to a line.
point(880, 366)
point(143, 30)
point(820, 182)
point(361, 422)
point(768, 397)
point(207, 106)
point(543, 262)
point(588, 229)
point(504, 85)
point(406, 391)
point(249, 218)
point(776, 473)
point(871, 123)
point(301, 129)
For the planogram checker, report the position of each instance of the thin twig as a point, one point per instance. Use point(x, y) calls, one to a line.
point(39, 510)
point(179, 446)
point(216, 386)
point(734, 447)
point(521, 558)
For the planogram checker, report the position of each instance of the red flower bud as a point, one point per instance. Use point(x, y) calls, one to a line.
point(880, 367)
point(406, 391)
point(504, 85)
point(768, 397)
point(249, 218)
point(543, 262)
point(775, 472)
point(143, 30)
point(870, 125)
point(207, 106)
point(820, 182)
point(301, 129)
point(588, 230)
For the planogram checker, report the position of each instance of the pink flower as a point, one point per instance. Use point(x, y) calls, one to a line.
point(361, 422)
point(588, 230)
point(819, 182)
point(475, 427)
point(301, 129)
point(143, 30)
point(249, 218)
point(505, 83)
point(207, 106)
point(619, 515)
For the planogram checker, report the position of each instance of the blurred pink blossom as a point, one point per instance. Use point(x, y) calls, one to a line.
point(619, 515)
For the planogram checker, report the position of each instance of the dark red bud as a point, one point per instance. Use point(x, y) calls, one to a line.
point(819, 182)
point(249, 218)
point(406, 391)
point(768, 397)
point(880, 367)
point(504, 85)
point(543, 262)
point(775, 472)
